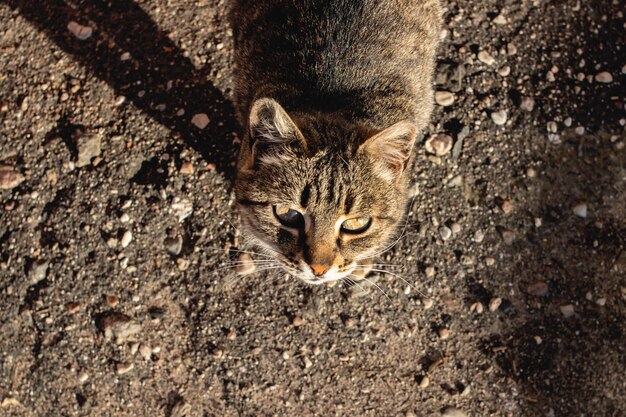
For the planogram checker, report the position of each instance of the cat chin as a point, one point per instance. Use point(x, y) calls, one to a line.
point(320, 281)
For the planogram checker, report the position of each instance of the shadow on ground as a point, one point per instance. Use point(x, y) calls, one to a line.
point(160, 73)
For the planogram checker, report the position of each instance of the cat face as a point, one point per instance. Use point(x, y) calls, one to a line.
point(321, 196)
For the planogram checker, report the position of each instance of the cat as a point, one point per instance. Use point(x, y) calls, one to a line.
point(332, 95)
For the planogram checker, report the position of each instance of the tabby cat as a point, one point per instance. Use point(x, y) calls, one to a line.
point(332, 95)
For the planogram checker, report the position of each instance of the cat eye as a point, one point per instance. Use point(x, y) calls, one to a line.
point(357, 225)
point(288, 217)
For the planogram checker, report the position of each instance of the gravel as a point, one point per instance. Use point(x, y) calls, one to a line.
point(439, 144)
point(453, 412)
point(127, 237)
point(200, 120)
point(604, 77)
point(445, 233)
point(88, 147)
point(486, 58)
point(173, 245)
point(494, 304)
point(567, 310)
point(80, 31)
point(444, 98)
point(499, 117)
point(160, 176)
point(580, 210)
point(10, 177)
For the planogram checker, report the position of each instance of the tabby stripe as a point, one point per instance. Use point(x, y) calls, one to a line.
point(246, 202)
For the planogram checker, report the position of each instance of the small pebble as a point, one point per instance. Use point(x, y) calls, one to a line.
point(125, 56)
point(479, 236)
point(9, 178)
point(173, 245)
point(134, 348)
point(601, 302)
point(453, 412)
point(72, 308)
point(507, 207)
point(118, 326)
point(580, 130)
point(489, 261)
point(123, 368)
point(186, 168)
point(495, 303)
point(200, 120)
point(428, 303)
point(499, 117)
point(527, 104)
point(567, 310)
point(504, 71)
point(430, 271)
point(145, 352)
point(231, 335)
point(127, 237)
point(124, 218)
point(38, 271)
point(307, 362)
point(297, 321)
point(444, 334)
point(111, 300)
point(511, 49)
point(445, 233)
point(183, 264)
point(83, 377)
point(245, 265)
point(456, 228)
point(486, 58)
point(444, 98)
point(81, 32)
point(285, 355)
point(477, 307)
point(568, 122)
point(500, 20)
point(604, 77)
point(580, 210)
point(119, 100)
point(439, 144)
point(424, 382)
point(182, 209)
point(88, 147)
point(552, 127)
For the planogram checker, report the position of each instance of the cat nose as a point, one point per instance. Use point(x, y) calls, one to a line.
point(319, 269)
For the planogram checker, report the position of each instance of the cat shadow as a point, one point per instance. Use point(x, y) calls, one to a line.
point(129, 52)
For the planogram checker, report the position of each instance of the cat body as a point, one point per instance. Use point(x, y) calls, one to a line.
point(332, 95)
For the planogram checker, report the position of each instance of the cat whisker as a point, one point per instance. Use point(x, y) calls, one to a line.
point(353, 282)
point(400, 277)
point(375, 285)
point(237, 277)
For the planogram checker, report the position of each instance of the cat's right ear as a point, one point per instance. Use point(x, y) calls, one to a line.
point(271, 131)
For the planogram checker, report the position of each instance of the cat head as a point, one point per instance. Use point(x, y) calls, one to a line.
point(319, 194)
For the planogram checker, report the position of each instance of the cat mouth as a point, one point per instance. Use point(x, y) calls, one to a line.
point(304, 274)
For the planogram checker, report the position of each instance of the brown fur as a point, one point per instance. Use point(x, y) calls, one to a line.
point(332, 95)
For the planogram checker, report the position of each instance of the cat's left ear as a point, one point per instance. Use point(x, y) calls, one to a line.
point(271, 130)
point(391, 149)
